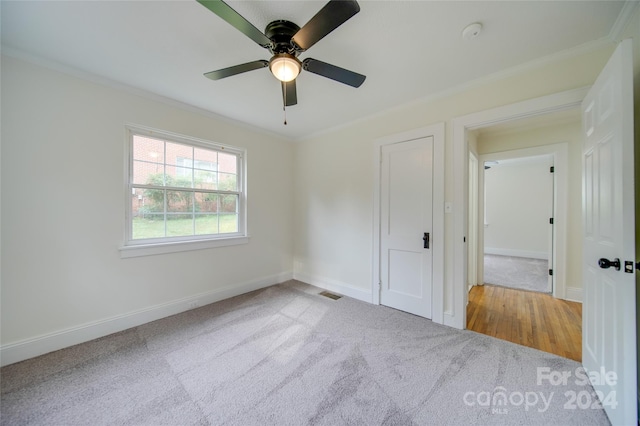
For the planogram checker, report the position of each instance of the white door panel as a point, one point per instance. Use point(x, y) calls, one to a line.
point(405, 269)
point(406, 215)
point(609, 311)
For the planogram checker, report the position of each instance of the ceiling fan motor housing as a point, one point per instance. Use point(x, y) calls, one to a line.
point(280, 33)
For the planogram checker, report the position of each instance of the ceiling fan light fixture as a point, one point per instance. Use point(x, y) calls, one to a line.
point(285, 67)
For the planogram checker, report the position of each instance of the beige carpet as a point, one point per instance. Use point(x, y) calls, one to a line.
point(286, 355)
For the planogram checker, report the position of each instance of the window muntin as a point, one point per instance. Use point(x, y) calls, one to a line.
point(182, 189)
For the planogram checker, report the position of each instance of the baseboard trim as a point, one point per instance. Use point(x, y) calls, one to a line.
point(574, 294)
point(334, 286)
point(29, 348)
point(517, 253)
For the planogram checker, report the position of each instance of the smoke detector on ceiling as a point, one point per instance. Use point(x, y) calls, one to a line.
point(472, 31)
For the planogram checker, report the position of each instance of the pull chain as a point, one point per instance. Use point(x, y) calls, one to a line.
point(284, 103)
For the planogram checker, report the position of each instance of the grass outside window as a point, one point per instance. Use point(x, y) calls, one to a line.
point(204, 224)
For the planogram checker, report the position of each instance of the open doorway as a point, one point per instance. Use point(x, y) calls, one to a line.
point(546, 317)
point(541, 142)
point(518, 222)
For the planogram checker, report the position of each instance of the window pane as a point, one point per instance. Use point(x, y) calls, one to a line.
point(228, 223)
point(205, 159)
point(227, 163)
point(179, 225)
point(156, 179)
point(227, 182)
point(147, 173)
point(206, 224)
point(137, 201)
point(142, 227)
point(183, 169)
point(206, 203)
point(206, 180)
point(152, 201)
point(228, 203)
point(228, 213)
point(147, 216)
point(148, 149)
point(175, 151)
point(179, 201)
point(179, 176)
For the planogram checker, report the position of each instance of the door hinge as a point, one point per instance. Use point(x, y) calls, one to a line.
point(380, 284)
point(552, 169)
point(550, 271)
point(550, 221)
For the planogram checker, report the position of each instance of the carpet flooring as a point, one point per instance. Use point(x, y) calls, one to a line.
point(286, 355)
point(517, 272)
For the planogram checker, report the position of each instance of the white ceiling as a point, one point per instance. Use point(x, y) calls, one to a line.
point(408, 50)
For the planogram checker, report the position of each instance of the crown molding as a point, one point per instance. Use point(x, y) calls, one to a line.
point(580, 50)
point(623, 20)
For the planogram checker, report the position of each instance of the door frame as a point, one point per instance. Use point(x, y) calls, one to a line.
point(437, 238)
point(560, 154)
point(473, 237)
point(455, 314)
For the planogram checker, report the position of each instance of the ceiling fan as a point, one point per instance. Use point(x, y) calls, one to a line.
point(285, 40)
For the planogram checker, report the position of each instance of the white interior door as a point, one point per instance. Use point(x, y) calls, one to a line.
point(609, 311)
point(406, 219)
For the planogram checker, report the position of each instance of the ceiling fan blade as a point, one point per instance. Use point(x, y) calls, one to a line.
point(330, 17)
point(289, 95)
point(333, 72)
point(237, 69)
point(225, 11)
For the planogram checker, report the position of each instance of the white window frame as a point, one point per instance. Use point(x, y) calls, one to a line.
point(146, 247)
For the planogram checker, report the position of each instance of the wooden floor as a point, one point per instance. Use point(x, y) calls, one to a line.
point(531, 319)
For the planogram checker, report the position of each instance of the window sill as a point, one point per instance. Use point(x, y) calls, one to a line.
point(179, 246)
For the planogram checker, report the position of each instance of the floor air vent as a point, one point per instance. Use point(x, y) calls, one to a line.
point(330, 295)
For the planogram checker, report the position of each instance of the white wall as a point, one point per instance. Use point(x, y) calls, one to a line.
point(518, 205)
point(63, 161)
point(334, 173)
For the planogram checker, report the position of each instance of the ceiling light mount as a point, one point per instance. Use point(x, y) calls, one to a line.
point(472, 31)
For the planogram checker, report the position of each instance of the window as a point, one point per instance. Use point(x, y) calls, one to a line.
point(184, 165)
point(182, 190)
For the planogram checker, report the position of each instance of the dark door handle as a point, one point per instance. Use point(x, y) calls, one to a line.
point(606, 263)
point(426, 240)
